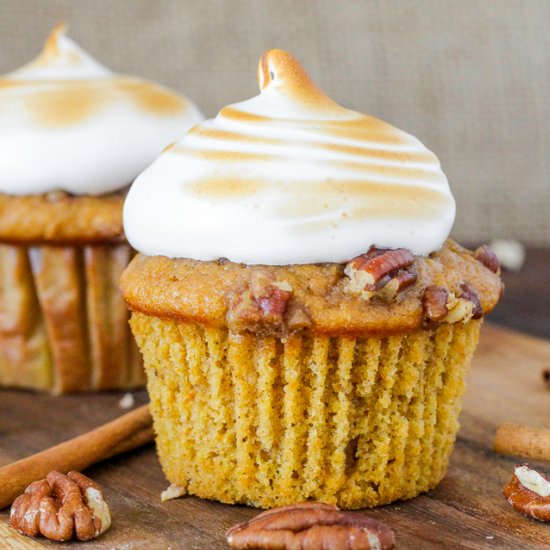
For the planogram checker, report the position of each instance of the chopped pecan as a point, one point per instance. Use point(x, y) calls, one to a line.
point(369, 268)
point(395, 285)
point(380, 273)
point(441, 306)
point(297, 317)
point(529, 493)
point(61, 508)
point(434, 303)
point(469, 293)
point(265, 302)
point(310, 526)
point(546, 377)
point(487, 257)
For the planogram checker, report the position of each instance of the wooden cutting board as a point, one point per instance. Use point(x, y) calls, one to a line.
point(467, 510)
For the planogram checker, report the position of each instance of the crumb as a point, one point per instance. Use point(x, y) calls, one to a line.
point(172, 492)
point(127, 401)
point(510, 253)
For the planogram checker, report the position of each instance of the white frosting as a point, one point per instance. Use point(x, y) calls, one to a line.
point(68, 123)
point(287, 177)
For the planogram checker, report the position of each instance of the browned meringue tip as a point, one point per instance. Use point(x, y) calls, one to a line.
point(51, 46)
point(281, 69)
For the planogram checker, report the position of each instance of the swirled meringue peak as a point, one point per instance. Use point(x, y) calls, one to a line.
point(287, 177)
point(69, 123)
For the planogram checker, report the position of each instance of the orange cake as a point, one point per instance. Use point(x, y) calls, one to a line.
point(305, 322)
point(73, 137)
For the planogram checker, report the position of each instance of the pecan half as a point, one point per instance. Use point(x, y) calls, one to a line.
point(486, 255)
point(311, 526)
point(265, 302)
point(441, 306)
point(529, 493)
point(380, 273)
point(61, 508)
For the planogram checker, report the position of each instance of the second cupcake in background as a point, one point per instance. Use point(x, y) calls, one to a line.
point(305, 323)
point(73, 136)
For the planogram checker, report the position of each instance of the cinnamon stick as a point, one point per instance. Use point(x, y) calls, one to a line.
point(523, 441)
point(123, 434)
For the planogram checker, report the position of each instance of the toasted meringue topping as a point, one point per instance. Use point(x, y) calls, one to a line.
point(68, 123)
point(289, 176)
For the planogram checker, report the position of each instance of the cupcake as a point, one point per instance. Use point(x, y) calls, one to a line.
point(305, 322)
point(73, 136)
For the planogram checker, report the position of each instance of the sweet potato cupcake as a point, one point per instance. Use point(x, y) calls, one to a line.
point(73, 136)
point(305, 323)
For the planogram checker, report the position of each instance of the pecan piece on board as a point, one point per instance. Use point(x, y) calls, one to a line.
point(310, 526)
point(61, 507)
point(529, 493)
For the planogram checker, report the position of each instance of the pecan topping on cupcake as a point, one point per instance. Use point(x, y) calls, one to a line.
point(486, 255)
point(442, 306)
point(263, 303)
point(380, 273)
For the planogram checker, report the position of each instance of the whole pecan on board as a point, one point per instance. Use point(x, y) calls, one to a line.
point(529, 493)
point(380, 273)
point(61, 507)
point(311, 526)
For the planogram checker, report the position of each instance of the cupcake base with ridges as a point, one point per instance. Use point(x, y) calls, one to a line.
point(63, 326)
point(267, 421)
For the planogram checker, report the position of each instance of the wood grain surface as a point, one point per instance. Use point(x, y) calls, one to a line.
point(467, 510)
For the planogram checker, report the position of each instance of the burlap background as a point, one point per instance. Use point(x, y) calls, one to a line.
point(471, 78)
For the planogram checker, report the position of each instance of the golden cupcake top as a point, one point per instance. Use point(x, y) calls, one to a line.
point(450, 286)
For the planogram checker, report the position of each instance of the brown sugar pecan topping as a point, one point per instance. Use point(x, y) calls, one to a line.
point(265, 302)
point(61, 507)
point(311, 526)
point(529, 493)
point(380, 273)
point(434, 303)
point(487, 257)
point(441, 306)
point(469, 293)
